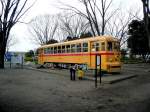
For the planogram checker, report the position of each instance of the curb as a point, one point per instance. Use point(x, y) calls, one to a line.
point(31, 68)
point(87, 77)
point(121, 79)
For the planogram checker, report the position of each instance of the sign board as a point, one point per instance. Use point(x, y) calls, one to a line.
point(8, 56)
point(98, 60)
point(17, 58)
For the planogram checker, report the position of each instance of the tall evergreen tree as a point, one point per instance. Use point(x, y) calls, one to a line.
point(138, 41)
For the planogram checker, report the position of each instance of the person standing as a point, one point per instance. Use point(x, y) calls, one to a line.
point(72, 72)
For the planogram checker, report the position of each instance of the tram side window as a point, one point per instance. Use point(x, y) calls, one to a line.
point(63, 49)
point(59, 49)
point(73, 48)
point(103, 46)
point(48, 50)
point(68, 48)
point(55, 50)
point(79, 47)
point(45, 50)
point(95, 46)
point(85, 47)
point(109, 46)
point(52, 51)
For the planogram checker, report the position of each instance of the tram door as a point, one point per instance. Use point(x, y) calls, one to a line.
point(95, 48)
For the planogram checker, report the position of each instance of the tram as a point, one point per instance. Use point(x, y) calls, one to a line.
point(83, 52)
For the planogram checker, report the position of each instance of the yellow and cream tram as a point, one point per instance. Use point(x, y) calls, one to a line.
point(83, 51)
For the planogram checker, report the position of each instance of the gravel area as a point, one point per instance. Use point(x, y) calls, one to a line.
point(24, 90)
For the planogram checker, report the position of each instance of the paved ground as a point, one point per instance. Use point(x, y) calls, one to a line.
point(23, 90)
point(88, 75)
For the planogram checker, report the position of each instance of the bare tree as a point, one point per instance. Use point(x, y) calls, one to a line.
point(96, 12)
point(12, 40)
point(118, 25)
point(43, 28)
point(73, 25)
point(146, 12)
point(10, 13)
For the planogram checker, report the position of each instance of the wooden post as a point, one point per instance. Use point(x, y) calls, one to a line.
point(100, 73)
point(96, 71)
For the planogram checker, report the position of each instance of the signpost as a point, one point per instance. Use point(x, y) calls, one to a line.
point(97, 63)
point(96, 71)
point(100, 69)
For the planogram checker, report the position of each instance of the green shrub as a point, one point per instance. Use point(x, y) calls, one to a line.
point(28, 59)
point(127, 60)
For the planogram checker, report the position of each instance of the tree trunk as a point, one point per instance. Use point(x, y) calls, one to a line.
point(146, 18)
point(2, 52)
point(148, 36)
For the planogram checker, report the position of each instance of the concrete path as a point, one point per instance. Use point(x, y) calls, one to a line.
point(110, 79)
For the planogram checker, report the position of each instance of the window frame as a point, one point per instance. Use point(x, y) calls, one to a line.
point(115, 43)
point(73, 49)
point(63, 50)
point(103, 47)
point(96, 46)
point(85, 48)
point(68, 49)
point(58, 49)
point(79, 49)
point(55, 50)
point(109, 46)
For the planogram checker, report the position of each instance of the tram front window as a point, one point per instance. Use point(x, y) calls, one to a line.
point(116, 46)
point(109, 46)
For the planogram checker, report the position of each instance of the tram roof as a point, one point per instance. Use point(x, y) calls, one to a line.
point(102, 38)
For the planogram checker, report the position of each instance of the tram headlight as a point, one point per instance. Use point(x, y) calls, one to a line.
point(117, 58)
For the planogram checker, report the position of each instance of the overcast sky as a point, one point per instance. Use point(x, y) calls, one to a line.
point(50, 7)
